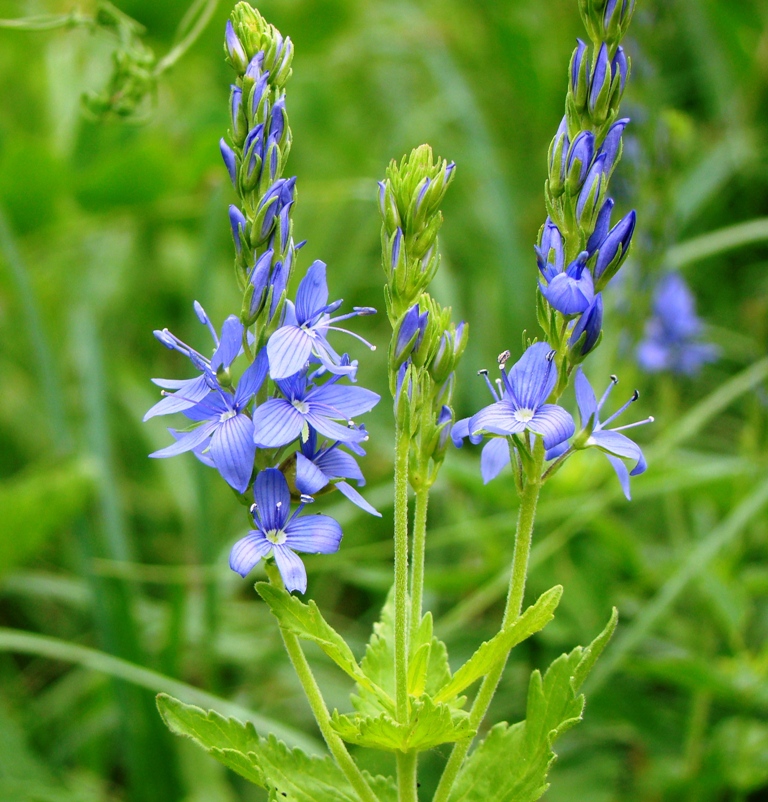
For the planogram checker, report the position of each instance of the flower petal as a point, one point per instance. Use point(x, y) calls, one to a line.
point(291, 569)
point(230, 344)
point(553, 423)
point(189, 393)
point(494, 458)
point(272, 497)
point(252, 379)
point(248, 551)
point(622, 473)
point(187, 442)
point(289, 349)
point(498, 418)
point(619, 445)
point(276, 423)
point(337, 464)
point(313, 534)
point(200, 451)
point(352, 494)
point(568, 295)
point(321, 418)
point(585, 398)
point(233, 450)
point(309, 477)
point(312, 294)
point(533, 377)
point(349, 401)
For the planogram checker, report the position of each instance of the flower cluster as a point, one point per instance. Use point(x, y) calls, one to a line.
point(672, 335)
point(579, 251)
point(274, 387)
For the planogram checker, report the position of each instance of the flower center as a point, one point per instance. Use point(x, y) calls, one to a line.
point(276, 536)
point(230, 413)
point(302, 406)
point(524, 415)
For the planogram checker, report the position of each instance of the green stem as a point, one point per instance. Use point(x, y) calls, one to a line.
point(401, 575)
point(523, 535)
point(192, 36)
point(320, 711)
point(406, 777)
point(419, 548)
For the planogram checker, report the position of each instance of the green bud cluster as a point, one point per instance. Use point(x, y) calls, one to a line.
point(256, 35)
point(409, 202)
point(606, 22)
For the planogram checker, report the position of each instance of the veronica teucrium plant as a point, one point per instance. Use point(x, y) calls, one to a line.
point(275, 411)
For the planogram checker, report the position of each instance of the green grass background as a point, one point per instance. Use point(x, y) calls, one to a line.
point(113, 575)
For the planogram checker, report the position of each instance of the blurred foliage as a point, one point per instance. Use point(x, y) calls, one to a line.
point(109, 229)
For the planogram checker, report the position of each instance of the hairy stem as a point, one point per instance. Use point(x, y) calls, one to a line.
point(320, 711)
point(525, 520)
point(406, 777)
point(401, 575)
point(419, 548)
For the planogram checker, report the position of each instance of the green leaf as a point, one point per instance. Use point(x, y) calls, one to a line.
point(289, 774)
point(430, 725)
point(511, 764)
point(306, 622)
point(378, 663)
point(491, 652)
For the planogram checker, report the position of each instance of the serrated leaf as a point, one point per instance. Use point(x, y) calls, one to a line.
point(488, 655)
point(289, 774)
point(306, 622)
point(378, 663)
point(511, 764)
point(430, 725)
point(417, 670)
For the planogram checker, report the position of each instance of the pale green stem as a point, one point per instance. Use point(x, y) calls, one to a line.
point(419, 548)
point(402, 447)
point(47, 22)
point(525, 520)
point(406, 777)
point(320, 711)
point(192, 36)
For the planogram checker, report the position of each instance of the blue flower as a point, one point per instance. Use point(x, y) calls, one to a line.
point(238, 222)
point(590, 324)
point(281, 533)
point(317, 467)
point(304, 329)
point(616, 446)
point(234, 48)
point(225, 432)
point(230, 160)
point(189, 392)
point(523, 406)
point(579, 159)
point(279, 421)
point(410, 333)
point(572, 291)
point(672, 335)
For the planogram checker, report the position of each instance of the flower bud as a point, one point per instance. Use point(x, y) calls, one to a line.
point(234, 49)
point(579, 159)
point(602, 226)
point(253, 157)
point(551, 246)
point(611, 146)
point(239, 126)
point(616, 19)
point(620, 72)
point(591, 195)
point(259, 279)
point(586, 333)
point(579, 81)
point(278, 125)
point(571, 292)
point(600, 86)
point(452, 343)
point(230, 160)
point(614, 249)
point(388, 207)
point(238, 222)
point(408, 335)
point(258, 99)
point(558, 159)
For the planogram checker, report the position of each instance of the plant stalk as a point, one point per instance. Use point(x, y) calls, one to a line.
point(419, 549)
point(406, 777)
point(402, 446)
point(523, 535)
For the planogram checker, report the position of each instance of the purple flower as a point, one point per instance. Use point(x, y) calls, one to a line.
point(238, 222)
point(672, 335)
point(229, 160)
point(591, 192)
point(551, 244)
point(304, 329)
point(225, 432)
point(616, 446)
point(189, 392)
point(579, 159)
point(523, 406)
point(279, 421)
point(281, 533)
point(612, 143)
point(571, 292)
point(613, 250)
point(589, 324)
point(410, 334)
point(234, 48)
point(317, 467)
point(601, 76)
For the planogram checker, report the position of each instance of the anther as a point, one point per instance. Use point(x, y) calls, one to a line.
point(253, 508)
point(614, 378)
point(551, 355)
point(503, 358)
point(635, 395)
point(482, 372)
point(306, 499)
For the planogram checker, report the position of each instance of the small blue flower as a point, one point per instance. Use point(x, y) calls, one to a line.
point(614, 248)
point(304, 329)
point(189, 392)
point(280, 421)
point(275, 199)
point(616, 446)
point(317, 467)
point(225, 432)
point(672, 335)
point(550, 255)
point(590, 195)
point(281, 533)
point(523, 406)
point(571, 292)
